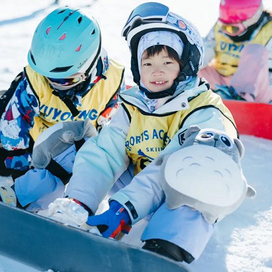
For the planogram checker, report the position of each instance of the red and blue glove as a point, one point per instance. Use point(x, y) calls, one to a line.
point(113, 223)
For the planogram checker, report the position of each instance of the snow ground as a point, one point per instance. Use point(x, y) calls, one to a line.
point(242, 242)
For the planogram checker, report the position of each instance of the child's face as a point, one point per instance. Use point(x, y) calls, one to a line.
point(158, 72)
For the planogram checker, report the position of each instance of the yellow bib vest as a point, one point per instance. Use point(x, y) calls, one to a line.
point(228, 52)
point(149, 134)
point(53, 109)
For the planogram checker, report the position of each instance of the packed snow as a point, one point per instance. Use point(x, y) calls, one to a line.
point(242, 242)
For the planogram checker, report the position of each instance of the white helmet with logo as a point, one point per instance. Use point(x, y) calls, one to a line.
point(152, 16)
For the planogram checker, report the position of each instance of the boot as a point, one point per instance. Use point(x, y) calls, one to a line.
point(168, 249)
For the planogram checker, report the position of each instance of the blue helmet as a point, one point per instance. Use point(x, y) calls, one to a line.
point(64, 43)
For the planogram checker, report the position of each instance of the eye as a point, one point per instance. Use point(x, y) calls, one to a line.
point(146, 64)
point(226, 141)
point(169, 61)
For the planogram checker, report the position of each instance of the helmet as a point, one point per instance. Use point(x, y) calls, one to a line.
point(65, 42)
point(152, 16)
point(237, 11)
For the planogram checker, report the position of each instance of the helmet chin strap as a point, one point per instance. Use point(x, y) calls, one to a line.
point(69, 96)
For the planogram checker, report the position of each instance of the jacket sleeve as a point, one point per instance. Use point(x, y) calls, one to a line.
point(144, 194)
point(18, 117)
point(209, 47)
point(99, 163)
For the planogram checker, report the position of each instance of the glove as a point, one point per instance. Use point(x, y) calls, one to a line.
point(56, 139)
point(113, 223)
point(67, 211)
point(228, 92)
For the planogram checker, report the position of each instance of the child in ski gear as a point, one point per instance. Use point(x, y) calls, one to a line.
point(68, 77)
point(238, 52)
point(152, 122)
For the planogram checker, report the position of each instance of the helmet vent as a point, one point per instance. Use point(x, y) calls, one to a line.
point(93, 32)
point(78, 49)
point(48, 30)
point(79, 20)
point(61, 69)
point(61, 11)
point(62, 37)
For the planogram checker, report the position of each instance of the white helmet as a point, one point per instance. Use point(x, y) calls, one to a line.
point(152, 16)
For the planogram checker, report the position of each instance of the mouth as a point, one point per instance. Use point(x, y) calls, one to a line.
point(159, 83)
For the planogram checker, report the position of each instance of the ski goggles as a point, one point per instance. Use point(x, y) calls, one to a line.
point(149, 12)
point(235, 29)
point(68, 82)
point(232, 29)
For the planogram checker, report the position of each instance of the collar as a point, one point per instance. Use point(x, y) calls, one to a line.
point(179, 101)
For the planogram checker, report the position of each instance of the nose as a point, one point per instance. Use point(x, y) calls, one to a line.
point(157, 71)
